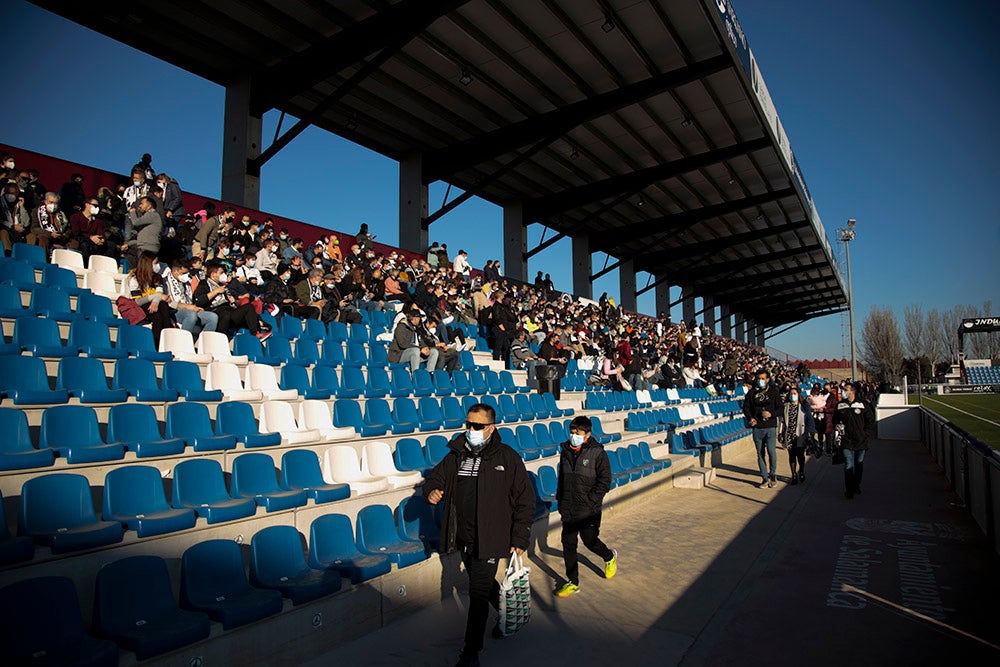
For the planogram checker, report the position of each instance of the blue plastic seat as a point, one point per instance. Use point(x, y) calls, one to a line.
point(93, 339)
point(17, 273)
point(404, 415)
point(138, 378)
point(278, 350)
point(290, 327)
point(347, 413)
point(191, 422)
point(409, 456)
point(16, 449)
point(10, 302)
point(332, 546)
point(52, 303)
point(200, 485)
point(57, 510)
point(548, 484)
point(134, 605)
point(377, 535)
point(40, 336)
point(378, 414)
point(357, 356)
point(509, 386)
point(138, 342)
point(307, 352)
point(300, 471)
point(213, 581)
point(332, 352)
point(526, 441)
point(423, 383)
point(436, 448)
point(135, 427)
point(352, 382)
point(85, 378)
point(501, 415)
point(507, 410)
point(400, 383)
point(442, 383)
point(460, 380)
point(25, 381)
point(469, 401)
point(254, 477)
point(277, 562)
point(57, 276)
point(357, 333)
point(134, 496)
point(597, 432)
point(452, 412)
point(73, 433)
point(324, 378)
point(416, 522)
point(314, 330)
point(647, 457)
point(236, 419)
point(297, 378)
point(431, 417)
point(377, 385)
point(378, 353)
point(246, 344)
point(494, 383)
point(40, 624)
point(531, 409)
point(184, 377)
point(29, 253)
point(467, 363)
point(97, 308)
point(537, 405)
point(479, 385)
point(543, 438)
point(550, 403)
point(619, 475)
point(338, 331)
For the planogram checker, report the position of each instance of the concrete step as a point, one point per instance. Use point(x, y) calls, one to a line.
point(695, 477)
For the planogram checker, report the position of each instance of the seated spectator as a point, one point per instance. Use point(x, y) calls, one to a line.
point(294, 250)
point(337, 308)
point(14, 218)
point(87, 229)
point(409, 347)
point(249, 276)
point(212, 294)
point(447, 355)
point(71, 195)
point(146, 288)
point(191, 317)
point(309, 292)
point(550, 351)
point(49, 226)
point(611, 369)
point(267, 260)
point(148, 224)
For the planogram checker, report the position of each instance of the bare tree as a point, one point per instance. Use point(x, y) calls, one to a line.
point(948, 333)
point(914, 331)
point(933, 328)
point(881, 345)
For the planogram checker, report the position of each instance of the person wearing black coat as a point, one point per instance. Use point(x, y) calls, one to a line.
point(761, 408)
point(488, 509)
point(584, 480)
point(855, 420)
point(504, 325)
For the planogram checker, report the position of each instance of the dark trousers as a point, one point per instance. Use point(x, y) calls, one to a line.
point(588, 530)
point(241, 317)
point(797, 455)
point(501, 348)
point(484, 591)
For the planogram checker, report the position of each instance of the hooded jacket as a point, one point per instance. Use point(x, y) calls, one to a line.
point(506, 501)
point(584, 480)
point(760, 400)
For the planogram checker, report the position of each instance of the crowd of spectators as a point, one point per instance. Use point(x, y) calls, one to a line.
point(218, 270)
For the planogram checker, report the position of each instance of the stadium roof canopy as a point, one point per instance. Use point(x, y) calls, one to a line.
point(643, 125)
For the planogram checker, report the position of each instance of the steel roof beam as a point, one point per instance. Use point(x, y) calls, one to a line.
point(721, 243)
point(741, 282)
point(691, 276)
point(544, 207)
point(476, 150)
point(289, 77)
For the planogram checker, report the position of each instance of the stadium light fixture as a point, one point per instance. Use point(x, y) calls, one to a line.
point(466, 77)
point(686, 122)
point(642, 201)
point(846, 235)
point(608, 25)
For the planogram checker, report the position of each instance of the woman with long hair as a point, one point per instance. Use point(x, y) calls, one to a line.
point(146, 287)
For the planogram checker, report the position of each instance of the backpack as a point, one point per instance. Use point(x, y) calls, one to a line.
point(130, 310)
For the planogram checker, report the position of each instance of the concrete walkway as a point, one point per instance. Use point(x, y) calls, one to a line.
point(736, 575)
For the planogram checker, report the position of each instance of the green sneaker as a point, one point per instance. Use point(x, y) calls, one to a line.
point(611, 566)
point(567, 589)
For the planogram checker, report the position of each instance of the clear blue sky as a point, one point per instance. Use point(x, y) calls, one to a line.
point(890, 108)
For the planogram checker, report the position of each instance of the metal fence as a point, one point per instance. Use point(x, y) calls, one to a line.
point(972, 468)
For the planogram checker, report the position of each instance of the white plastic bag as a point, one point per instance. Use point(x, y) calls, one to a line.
point(515, 596)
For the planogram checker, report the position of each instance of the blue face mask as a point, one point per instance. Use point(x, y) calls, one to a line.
point(476, 439)
point(793, 398)
point(761, 383)
point(576, 440)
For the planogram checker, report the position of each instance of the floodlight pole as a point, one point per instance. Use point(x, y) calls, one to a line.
point(847, 235)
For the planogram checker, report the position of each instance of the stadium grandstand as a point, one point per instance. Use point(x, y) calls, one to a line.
point(211, 448)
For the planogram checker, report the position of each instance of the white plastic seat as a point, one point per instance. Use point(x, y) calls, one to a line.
point(217, 345)
point(101, 283)
point(673, 395)
point(341, 466)
point(104, 265)
point(278, 416)
point(261, 377)
point(180, 343)
point(376, 461)
point(316, 415)
point(226, 377)
point(69, 259)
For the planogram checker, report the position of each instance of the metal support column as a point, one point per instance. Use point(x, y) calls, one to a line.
point(241, 142)
point(687, 305)
point(741, 329)
point(582, 268)
point(412, 204)
point(726, 323)
point(662, 296)
point(709, 315)
point(515, 242)
point(626, 282)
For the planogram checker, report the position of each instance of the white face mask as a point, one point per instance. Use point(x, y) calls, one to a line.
point(94, 210)
point(576, 439)
point(251, 263)
point(286, 277)
point(136, 183)
point(761, 383)
point(475, 438)
point(51, 208)
point(223, 279)
point(185, 278)
point(10, 197)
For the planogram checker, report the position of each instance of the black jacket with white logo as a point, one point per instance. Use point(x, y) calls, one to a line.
point(858, 419)
point(584, 480)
